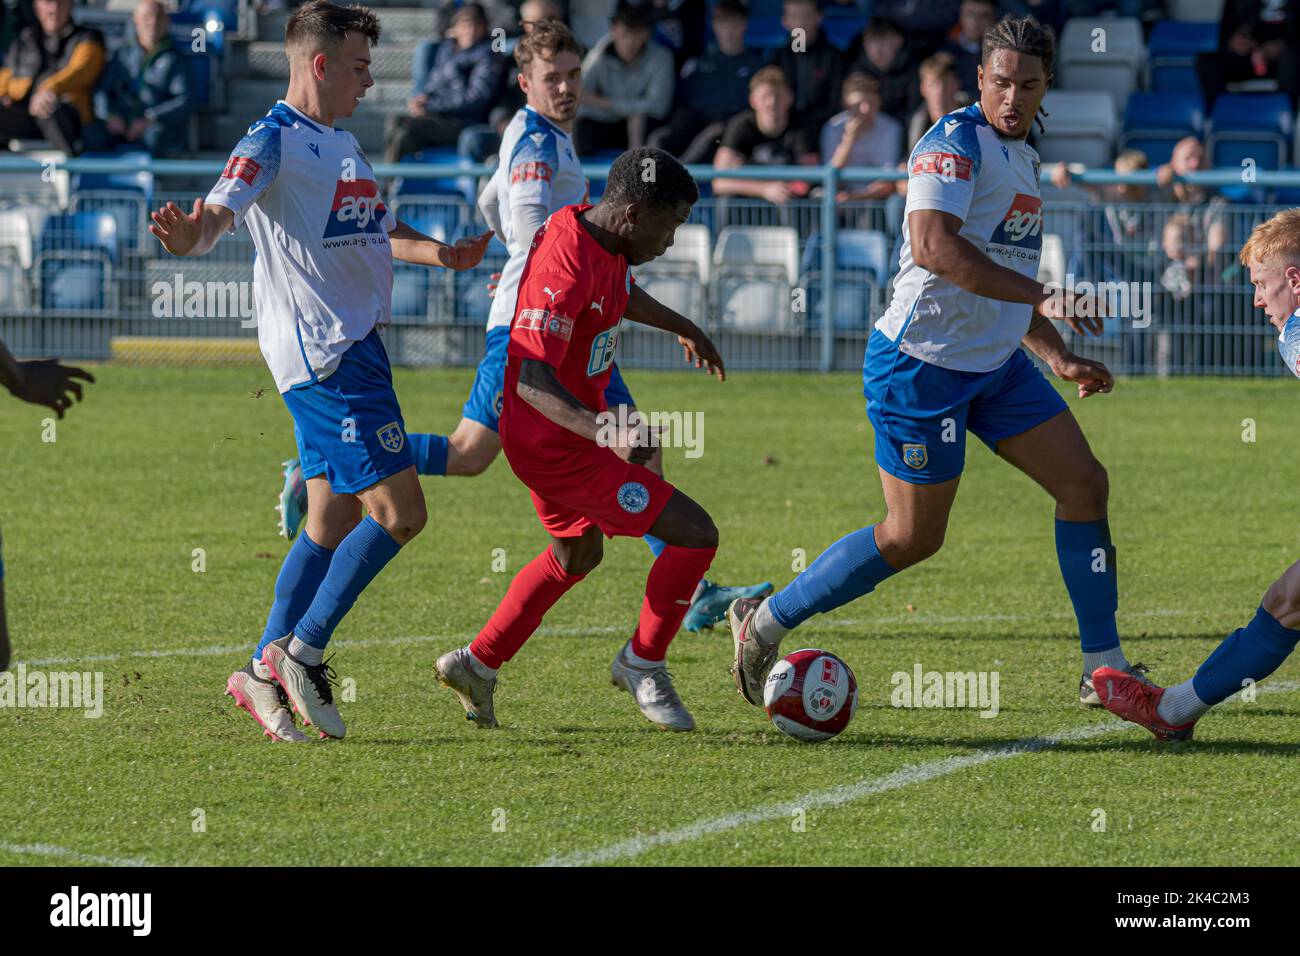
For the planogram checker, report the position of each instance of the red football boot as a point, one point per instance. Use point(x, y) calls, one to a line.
point(1136, 701)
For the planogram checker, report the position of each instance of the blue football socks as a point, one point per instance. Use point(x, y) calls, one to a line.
point(303, 570)
point(360, 556)
point(848, 569)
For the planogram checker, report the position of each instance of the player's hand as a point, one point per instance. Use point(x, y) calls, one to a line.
point(700, 351)
point(179, 232)
point(636, 443)
point(1091, 377)
point(48, 383)
point(493, 281)
point(467, 252)
point(1082, 313)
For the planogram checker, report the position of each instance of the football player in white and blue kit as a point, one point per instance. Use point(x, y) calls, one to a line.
point(945, 359)
point(322, 284)
point(1250, 653)
point(539, 173)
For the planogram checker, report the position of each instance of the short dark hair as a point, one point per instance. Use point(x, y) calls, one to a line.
point(669, 184)
point(320, 23)
point(1023, 35)
point(939, 66)
point(731, 8)
point(546, 39)
point(473, 10)
point(633, 17)
point(880, 27)
point(860, 83)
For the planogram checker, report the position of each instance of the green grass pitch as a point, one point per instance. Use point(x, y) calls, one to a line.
point(100, 529)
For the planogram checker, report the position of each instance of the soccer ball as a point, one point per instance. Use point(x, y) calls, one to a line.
point(811, 695)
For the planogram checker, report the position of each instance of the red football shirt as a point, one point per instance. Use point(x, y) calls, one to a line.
point(572, 296)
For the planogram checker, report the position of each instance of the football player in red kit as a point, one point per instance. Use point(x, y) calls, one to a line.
point(587, 477)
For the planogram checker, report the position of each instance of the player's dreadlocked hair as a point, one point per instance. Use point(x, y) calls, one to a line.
point(650, 177)
point(1026, 36)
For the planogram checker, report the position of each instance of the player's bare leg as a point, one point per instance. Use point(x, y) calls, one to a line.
point(710, 601)
point(1057, 456)
point(690, 542)
point(916, 519)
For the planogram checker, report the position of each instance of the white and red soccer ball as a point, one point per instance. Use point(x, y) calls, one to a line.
point(811, 695)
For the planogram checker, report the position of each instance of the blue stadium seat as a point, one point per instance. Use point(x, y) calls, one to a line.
point(1165, 111)
point(765, 33)
point(473, 303)
point(126, 196)
point(440, 219)
point(1157, 149)
point(1171, 55)
point(1154, 122)
point(422, 63)
point(78, 252)
point(861, 265)
point(843, 31)
point(1253, 126)
point(411, 285)
point(462, 186)
point(1287, 195)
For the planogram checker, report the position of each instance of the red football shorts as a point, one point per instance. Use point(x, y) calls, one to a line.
point(597, 487)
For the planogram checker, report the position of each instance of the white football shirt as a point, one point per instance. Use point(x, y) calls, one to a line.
point(323, 276)
point(539, 168)
point(963, 167)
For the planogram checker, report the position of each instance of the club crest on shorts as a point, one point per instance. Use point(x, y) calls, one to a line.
point(391, 437)
point(915, 456)
point(633, 497)
point(498, 402)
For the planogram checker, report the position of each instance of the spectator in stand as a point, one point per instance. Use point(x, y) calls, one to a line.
point(501, 15)
point(1121, 239)
point(764, 136)
point(923, 23)
point(144, 96)
point(964, 45)
point(680, 23)
point(463, 85)
point(941, 93)
point(1258, 39)
point(49, 77)
point(512, 98)
point(884, 56)
point(627, 86)
point(862, 135)
point(712, 88)
point(813, 66)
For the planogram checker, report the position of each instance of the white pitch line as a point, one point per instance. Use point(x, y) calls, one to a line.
point(49, 849)
point(833, 624)
point(848, 793)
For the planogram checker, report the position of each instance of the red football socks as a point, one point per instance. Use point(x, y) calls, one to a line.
point(533, 592)
point(668, 591)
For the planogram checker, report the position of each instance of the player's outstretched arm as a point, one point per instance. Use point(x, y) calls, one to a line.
point(44, 382)
point(938, 248)
point(193, 233)
point(645, 309)
point(1044, 340)
point(540, 388)
point(411, 245)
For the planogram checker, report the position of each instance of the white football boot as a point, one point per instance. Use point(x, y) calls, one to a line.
point(652, 689)
point(753, 659)
point(475, 692)
point(308, 687)
point(267, 703)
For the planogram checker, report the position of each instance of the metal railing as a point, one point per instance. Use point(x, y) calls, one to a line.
point(753, 274)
